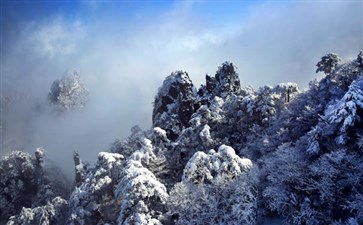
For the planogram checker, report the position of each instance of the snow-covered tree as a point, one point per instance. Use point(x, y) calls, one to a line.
point(327, 165)
point(28, 182)
point(203, 168)
point(127, 146)
point(141, 194)
point(54, 212)
point(92, 200)
point(348, 111)
point(250, 115)
point(328, 63)
point(306, 148)
point(17, 176)
point(217, 188)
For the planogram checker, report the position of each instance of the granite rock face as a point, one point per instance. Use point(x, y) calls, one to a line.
point(225, 82)
point(70, 92)
point(177, 99)
point(174, 104)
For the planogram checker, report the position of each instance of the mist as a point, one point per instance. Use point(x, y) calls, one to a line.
point(124, 51)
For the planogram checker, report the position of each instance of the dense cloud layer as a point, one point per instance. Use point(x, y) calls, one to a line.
point(123, 57)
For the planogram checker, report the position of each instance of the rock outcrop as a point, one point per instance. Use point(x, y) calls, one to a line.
point(174, 104)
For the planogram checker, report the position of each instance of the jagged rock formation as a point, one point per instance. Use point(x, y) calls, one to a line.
point(174, 104)
point(70, 92)
point(224, 83)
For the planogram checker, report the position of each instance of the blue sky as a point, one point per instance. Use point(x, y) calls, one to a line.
point(211, 13)
point(16, 11)
point(124, 50)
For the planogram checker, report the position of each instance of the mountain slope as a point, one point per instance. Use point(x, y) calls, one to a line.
point(221, 154)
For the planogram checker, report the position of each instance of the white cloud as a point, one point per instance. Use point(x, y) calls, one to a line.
point(54, 37)
point(125, 59)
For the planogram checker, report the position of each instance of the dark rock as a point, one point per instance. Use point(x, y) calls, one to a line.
point(360, 59)
point(174, 104)
point(223, 84)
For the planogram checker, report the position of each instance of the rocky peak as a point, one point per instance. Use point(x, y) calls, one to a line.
point(174, 103)
point(224, 83)
point(360, 59)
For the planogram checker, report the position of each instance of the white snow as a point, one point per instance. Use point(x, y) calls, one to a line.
point(224, 164)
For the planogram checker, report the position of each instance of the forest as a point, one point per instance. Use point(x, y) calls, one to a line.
point(217, 154)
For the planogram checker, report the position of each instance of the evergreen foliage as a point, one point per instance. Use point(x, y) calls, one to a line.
point(282, 152)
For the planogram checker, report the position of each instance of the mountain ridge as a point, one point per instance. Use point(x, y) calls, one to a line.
point(220, 154)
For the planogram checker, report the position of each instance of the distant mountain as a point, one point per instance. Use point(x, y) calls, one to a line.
point(220, 154)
